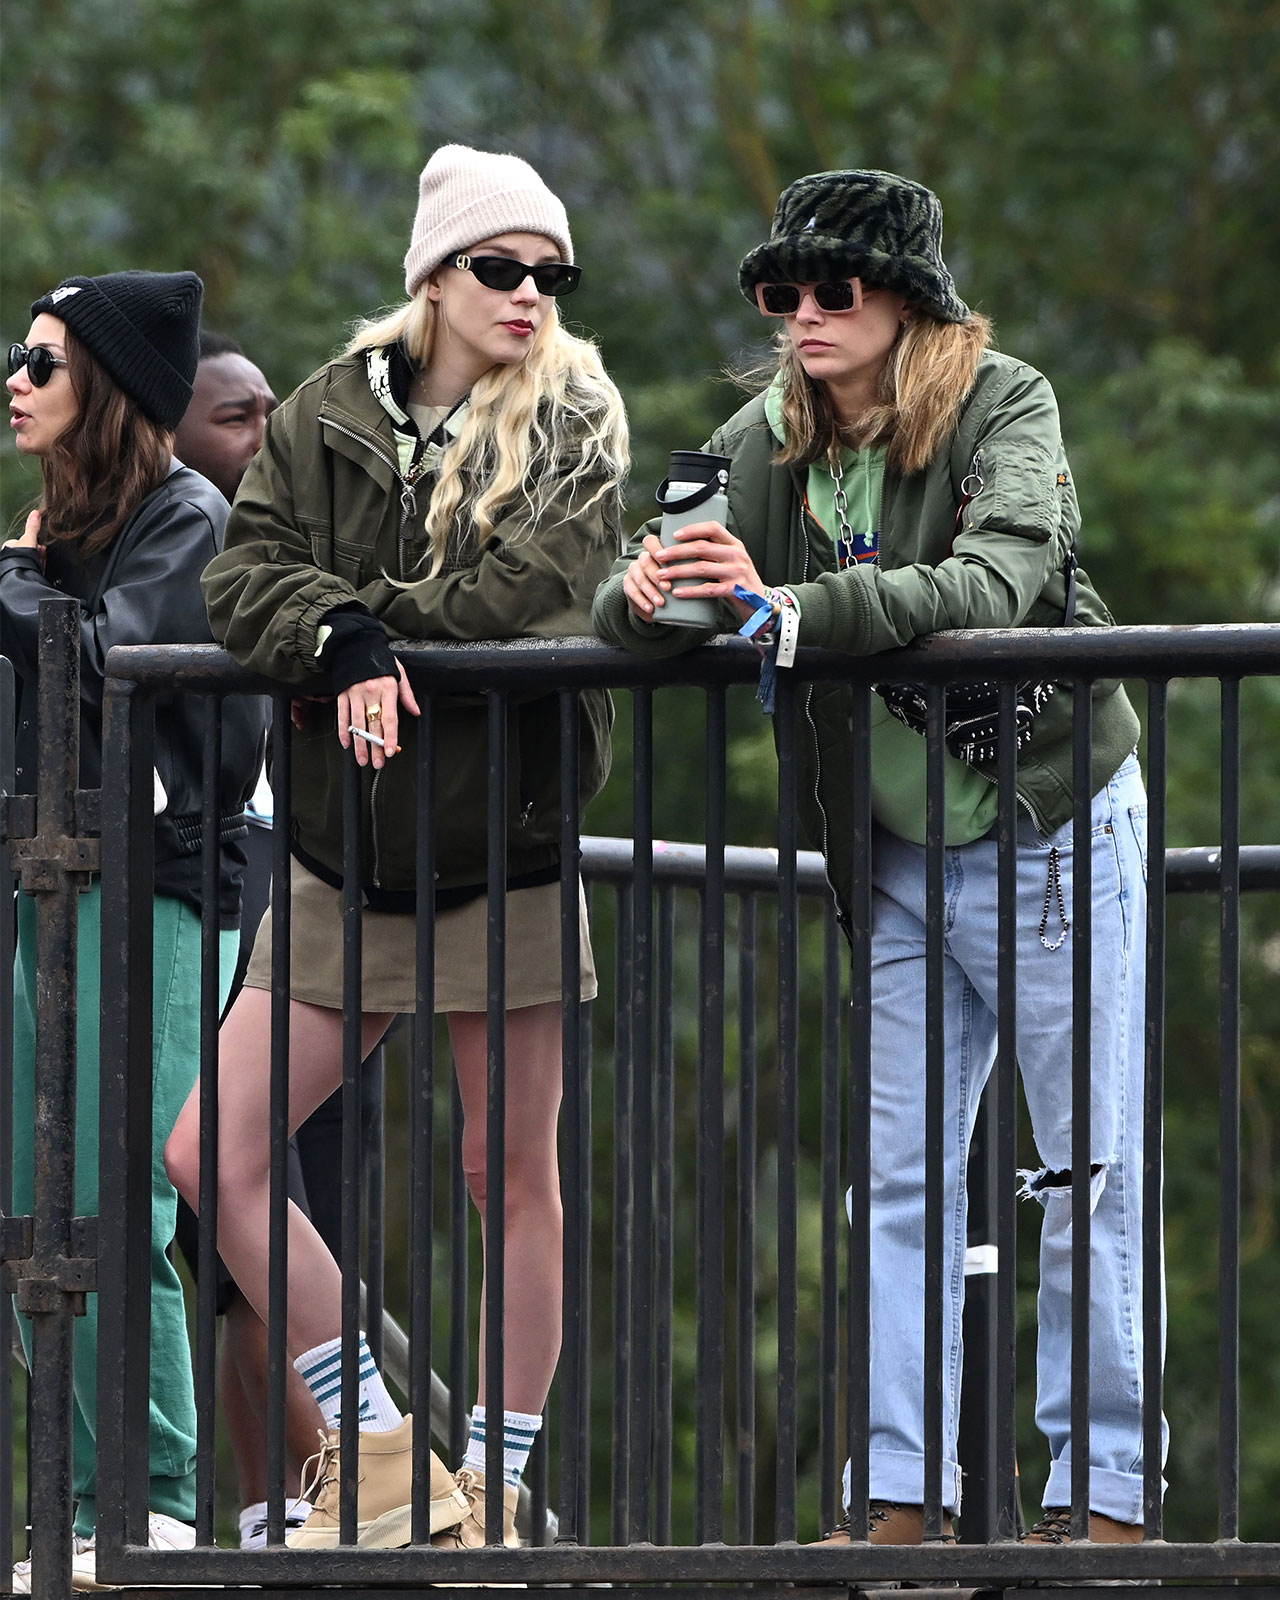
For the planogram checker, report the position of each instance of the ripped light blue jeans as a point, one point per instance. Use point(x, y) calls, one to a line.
point(971, 978)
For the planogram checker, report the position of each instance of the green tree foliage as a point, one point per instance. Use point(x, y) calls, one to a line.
point(1108, 168)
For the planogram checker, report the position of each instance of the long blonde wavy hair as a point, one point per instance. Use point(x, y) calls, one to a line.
point(532, 424)
point(929, 372)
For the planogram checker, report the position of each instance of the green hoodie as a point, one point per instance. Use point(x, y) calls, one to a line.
point(1005, 570)
point(898, 754)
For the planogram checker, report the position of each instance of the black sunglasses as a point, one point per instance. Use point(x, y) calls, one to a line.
point(506, 273)
point(783, 299)
point(38, 361)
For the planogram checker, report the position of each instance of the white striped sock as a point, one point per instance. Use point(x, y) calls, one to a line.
point(519, 1430)
point(321, 1371)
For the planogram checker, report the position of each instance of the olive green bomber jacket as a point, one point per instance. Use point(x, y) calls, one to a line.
point(1005, 570)
point(324, 516)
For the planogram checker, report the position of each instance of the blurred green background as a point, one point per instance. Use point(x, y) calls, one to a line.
point(1109, 171)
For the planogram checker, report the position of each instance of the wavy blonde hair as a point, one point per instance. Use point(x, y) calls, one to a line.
point(532, 424)
point(929, 372)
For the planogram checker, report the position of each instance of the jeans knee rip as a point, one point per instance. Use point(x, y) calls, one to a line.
point(1046, 1183)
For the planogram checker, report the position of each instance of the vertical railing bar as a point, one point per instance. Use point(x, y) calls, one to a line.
point(127, 835)
point(665, 1242)
point(709, 1204)
point(934, 1103)
point(788, 1109)
point(459, 1281)
point(829, 1429)
point(140, 1053)
point(748, 1077)
point(422, 1102)
point(496, 1118)
point(582, 1444)
point(206, 1354)
point(278, 1112)
point(858, 1138)
point(1081, 913)
point(50, 1469)
point(572, 1396)
point(352, 1005)
point(1007, 1513)
point(623, 1193)
point(640, 1436)
point(8, 779)
point(373, 1089)
point(539, 1480)
point(1229, 1123)
point(1153, 1117)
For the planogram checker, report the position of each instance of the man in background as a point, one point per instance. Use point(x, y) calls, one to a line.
point(219, 436)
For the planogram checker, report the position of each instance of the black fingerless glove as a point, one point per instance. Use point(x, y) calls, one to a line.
point(356, 649)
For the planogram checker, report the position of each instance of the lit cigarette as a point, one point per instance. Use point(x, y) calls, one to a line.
point(371, 738)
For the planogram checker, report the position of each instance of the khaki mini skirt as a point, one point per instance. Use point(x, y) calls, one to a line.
point(388, 944)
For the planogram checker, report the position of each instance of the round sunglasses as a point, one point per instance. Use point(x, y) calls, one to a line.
point(38, 361)
point(506, 273)
point(783, 299)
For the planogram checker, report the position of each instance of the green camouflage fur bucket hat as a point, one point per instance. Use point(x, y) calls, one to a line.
point(873, 225)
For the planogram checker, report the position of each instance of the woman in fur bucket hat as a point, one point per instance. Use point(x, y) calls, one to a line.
point(95, 393)
point(896, 477)
point(454, 475)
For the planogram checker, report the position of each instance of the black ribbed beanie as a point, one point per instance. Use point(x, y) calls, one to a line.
point(143, 328)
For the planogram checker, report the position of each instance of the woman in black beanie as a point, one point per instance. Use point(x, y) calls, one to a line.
point(96, 392)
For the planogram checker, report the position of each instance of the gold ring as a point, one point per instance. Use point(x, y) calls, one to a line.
point(373, 713)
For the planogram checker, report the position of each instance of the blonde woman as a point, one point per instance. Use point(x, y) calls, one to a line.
point(886, 417)
point(453, 475)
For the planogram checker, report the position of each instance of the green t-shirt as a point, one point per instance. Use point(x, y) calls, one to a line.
point(898, 755)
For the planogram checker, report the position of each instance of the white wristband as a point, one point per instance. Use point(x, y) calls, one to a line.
point(788, 635)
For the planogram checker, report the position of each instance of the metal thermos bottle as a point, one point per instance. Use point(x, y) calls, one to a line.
point(695, 490)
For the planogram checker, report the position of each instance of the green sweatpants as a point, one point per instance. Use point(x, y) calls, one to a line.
point(175, 1066)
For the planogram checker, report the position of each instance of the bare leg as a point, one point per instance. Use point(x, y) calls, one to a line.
point(534, 1217)
point(244, 1090)
point(243, 1382)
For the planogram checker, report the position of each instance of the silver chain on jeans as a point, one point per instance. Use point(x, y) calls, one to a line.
point(1054, 887)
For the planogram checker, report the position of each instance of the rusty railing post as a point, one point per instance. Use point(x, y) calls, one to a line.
point(53, 1265)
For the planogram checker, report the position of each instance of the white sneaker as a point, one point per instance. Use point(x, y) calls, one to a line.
point(22, 1569)
point(163, 1533)
point(254, 1536)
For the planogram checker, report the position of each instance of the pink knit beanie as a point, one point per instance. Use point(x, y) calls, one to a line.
point(465, 195)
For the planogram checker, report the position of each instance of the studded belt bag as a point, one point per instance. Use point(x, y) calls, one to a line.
point(971, 722)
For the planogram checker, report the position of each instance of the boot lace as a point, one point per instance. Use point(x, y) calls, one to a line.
point(471, 1491)
point(1054, 1527)
point(878, 1511)
point(322, 1469)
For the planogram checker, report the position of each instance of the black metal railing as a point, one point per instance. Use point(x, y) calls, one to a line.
point(687, 1228)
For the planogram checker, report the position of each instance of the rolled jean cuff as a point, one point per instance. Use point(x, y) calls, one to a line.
point(1117, 1495)
point(898, 1475)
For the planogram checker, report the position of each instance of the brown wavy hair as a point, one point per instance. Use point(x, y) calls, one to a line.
point(104, 464)
point(929, 372)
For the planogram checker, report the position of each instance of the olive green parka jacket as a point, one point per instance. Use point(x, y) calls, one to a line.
point(324, 517)
point(1006, 570)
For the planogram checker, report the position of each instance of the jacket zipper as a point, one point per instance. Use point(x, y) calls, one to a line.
point(408, 509)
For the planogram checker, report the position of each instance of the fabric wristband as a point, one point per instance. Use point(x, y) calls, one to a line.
point(355, 648)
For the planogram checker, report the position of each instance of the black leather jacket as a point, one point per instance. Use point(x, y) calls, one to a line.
point(144, 588)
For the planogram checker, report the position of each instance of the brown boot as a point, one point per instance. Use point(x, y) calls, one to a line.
point(383, 1512)
point(1054, 1527)
point(888, 1523)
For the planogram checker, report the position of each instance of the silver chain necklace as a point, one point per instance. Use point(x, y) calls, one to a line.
point(847, 536)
